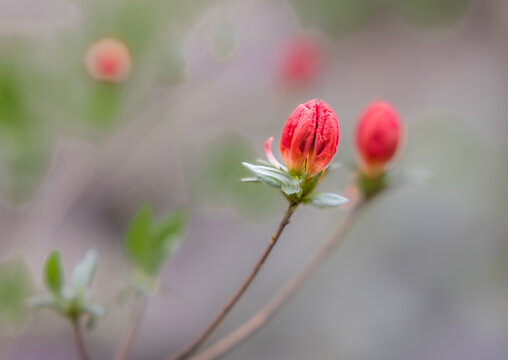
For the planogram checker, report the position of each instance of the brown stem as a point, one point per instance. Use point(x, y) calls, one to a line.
point(256, 322)
point(124, 349)
point(78, 338)
point(198, 341)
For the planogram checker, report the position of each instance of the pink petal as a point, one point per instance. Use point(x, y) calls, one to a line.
point(269, 154)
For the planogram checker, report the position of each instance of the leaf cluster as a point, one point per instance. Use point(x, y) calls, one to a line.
point(297, 190)
point(150, 241)
point(74, 299)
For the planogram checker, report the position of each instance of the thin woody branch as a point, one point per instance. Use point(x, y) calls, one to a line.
point(201, 338)
point(256, 322)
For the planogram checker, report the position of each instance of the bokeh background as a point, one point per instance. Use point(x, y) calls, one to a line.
point(424, 273)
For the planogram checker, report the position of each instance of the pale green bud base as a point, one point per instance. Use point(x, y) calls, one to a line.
point(370, 185)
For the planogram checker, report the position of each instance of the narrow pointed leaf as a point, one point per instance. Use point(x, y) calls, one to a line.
point(250, 179)
point(84, 270)
point(274, 177)
point(138, 236)
point(320, 199)
point(166, 234)
point(263, 176)
point(150, 242)
point(53, 273)
point(43, 300)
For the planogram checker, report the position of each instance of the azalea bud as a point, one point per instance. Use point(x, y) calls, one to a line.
point(301, 61)
point(108, 60)
point(309, 138)
point(378, 135)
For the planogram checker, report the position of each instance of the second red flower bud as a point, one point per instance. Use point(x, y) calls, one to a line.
point(378, 135)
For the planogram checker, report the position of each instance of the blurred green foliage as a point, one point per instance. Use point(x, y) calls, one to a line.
point(74, 299)
point(20, 133)
point(450, 150)
point(15, 287)
point(218, 176)
point(45, 91)
point(340, 17)
point(430, 13)
point(223, 40)
point(149, 241)
point(336, 17)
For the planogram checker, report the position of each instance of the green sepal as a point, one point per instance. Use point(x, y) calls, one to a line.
point(371, 185)
point(309, 184)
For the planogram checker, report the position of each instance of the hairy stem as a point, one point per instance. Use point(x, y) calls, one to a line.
point(138, 314)
point(198, 341)
point(78, 338)
point(256, 322)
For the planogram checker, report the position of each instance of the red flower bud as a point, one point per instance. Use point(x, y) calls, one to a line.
point(301, 61)
point(109, 60)
point(309, 138)
point(378, 135)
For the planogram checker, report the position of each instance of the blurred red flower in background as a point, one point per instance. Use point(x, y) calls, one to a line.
point(108, 60)
point(301, 61)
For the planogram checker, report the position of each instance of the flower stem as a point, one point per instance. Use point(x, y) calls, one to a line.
point(78, 338)
point(201, 338)
point(256, 322)
point(138, 314)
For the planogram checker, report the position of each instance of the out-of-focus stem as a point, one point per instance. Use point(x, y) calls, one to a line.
point(256, 322)
point(78, 338)
point(138, 314)
point(198, 341)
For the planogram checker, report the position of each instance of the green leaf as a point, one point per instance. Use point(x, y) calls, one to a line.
point(266, 163)
point(43, 300)
point(138, 236)
point(275, 177)
point(84, 270)
point(250, 179)
point(264, 174)
point(150, 242)
point(53, 273)
point(320, 199)
point(166, 235)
